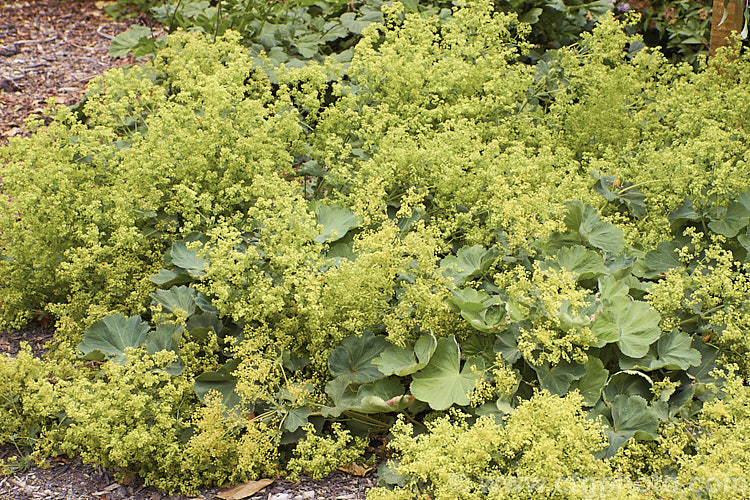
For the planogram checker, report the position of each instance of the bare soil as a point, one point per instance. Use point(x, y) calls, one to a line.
point(50, 49)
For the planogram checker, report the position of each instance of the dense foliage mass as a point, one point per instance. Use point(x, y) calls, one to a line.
point(527, 274)
point(296, 32)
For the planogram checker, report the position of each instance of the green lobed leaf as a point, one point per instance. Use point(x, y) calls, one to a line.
point(628, 383)
point(342, 250)
point(557, 379)
point(468, 299)
point(383, 396)
point(205, 320)
point(469, 262)
point(168, 278)
point(631, 417)
point(728, 221)
point(672, 352)
point(293, 362)
point(622, 193)
point(620, 266)
point(684, 214)
point(612, 290)
point(296, 418)
point(492, 317)
point(336, 221)
point(111, 335)
point(479, 344)
point(579, 260)
point(442, 383)
point(633, 325)
point(343, 397)
point(353, 358)
point(187, 259)
point(402, 361)
point(592, 382)
point(204, 303)
point(702, 374)
point(127, 42)
point(585, 220)
point(177, 297)
point(388, 473)
point(506, 344)
point(166, 337)
point(222, 381)
point(659, 261)
point(482, 311)
point(573, 319)
point(679, 401)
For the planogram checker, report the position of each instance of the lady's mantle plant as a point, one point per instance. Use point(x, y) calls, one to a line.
point(237, 266)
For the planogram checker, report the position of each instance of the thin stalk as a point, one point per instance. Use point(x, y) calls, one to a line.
point(412, 420)
point(638, 184)
point(218, 19)
point(243, 20)
point(174, 14)
point(696, 318)
point(361, 418)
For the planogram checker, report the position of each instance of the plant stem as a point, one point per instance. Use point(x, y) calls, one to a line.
point(174, 15)
point(638, 184)
point(359, 417)
point(218, 19)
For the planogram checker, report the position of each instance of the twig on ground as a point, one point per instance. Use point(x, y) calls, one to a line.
point(104, 35)
point(41, 40)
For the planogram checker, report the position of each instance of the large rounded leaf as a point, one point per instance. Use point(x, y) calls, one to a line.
point(404, 361)
point(729, 220)
point(483, 311)
point(166, 337)
point(672, 352)
point(506, 344)
point(468, 263)
point(582, 262)
point(353, 358)
point(336, 222)
point(222, 381)
point(468, 300)
point(585, 220)
point(188, 259)
point(628, 383)
point(633, 325)
point(591, 384)
point(171, 277)
point(442, 383)
point(630, 416)
point(557, 379)
point(177, 297)
point(622, 193)
point(657, 262)
point(111, 335)
point(342, 395)
point(383, 396)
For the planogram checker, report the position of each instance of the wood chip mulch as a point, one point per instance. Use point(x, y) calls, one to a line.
point(50, 49)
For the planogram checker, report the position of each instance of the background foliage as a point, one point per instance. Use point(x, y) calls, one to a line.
point(296, 32)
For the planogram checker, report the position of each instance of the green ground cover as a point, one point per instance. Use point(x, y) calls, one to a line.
point(529, 279)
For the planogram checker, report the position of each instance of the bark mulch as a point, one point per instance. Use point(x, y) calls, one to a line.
point(50, 49)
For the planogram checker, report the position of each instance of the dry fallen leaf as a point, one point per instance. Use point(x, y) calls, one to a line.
point(356, 469)
point(244, 490)
point(103, 4)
